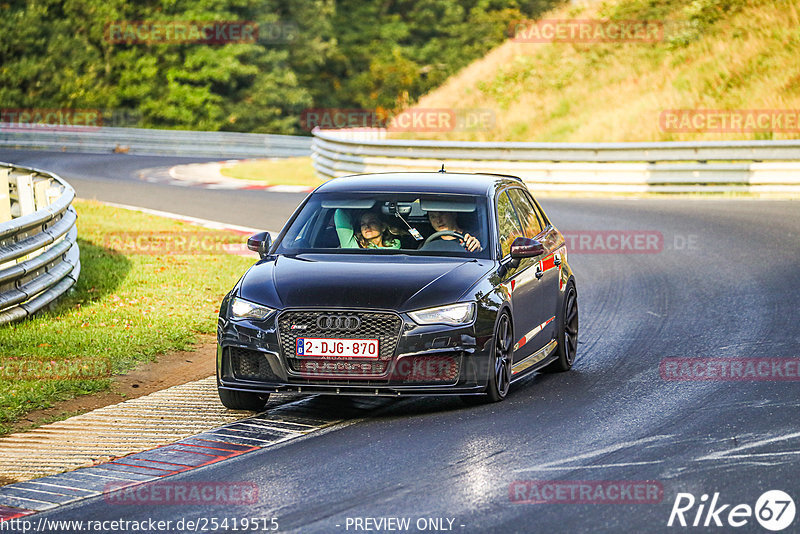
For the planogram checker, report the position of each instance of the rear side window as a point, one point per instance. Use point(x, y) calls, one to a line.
point(539, 211)
point(526, 212)
point(508, 225)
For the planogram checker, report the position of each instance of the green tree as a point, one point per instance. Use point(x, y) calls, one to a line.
point(326, 53)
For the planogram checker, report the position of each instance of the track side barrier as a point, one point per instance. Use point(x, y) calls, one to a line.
point(673, 167)
point(39, 256)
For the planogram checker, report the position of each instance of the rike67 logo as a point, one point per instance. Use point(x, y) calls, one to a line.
point(774, 510)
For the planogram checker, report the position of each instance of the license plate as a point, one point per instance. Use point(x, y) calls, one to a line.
point(317, 347)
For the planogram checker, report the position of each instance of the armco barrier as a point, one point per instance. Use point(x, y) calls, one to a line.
point(39, 256)
point(673, 167)
point(140, 141)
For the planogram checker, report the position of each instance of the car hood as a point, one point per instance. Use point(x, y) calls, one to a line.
point(394, 282)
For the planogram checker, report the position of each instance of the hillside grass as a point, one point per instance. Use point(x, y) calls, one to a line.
point(716, 54)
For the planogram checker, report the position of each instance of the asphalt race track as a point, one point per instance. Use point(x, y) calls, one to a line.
point(114, 178)
point(724, 283)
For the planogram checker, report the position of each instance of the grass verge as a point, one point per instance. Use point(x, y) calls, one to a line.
point(277, 171)
point(128, 306)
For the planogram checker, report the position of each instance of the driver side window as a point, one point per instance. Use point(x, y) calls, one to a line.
point(508, 226)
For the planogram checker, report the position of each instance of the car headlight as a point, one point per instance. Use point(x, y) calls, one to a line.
point(244, 309)
point(453, 314)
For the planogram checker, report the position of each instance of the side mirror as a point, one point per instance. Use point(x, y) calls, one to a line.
point(260, 242)
point(525, 247)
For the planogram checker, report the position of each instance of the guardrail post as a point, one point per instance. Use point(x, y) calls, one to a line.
point(27, 204)
point(5, 206)
point(5, 197)
point(53, 192)
point(42, 200)
point(40, 196)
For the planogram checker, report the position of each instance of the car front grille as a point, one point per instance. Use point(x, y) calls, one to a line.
point(385, 327)
point(250, 365)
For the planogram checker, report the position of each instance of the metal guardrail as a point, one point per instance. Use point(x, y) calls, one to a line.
point(39, 256)
point(140, 141)
point(673, 167)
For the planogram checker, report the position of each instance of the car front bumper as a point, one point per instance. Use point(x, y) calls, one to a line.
point(430, 359)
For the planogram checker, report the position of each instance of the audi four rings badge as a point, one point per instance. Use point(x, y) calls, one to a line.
point(338, 322)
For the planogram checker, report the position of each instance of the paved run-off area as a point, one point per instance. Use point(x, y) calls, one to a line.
point(144, 439)
point(131, 426)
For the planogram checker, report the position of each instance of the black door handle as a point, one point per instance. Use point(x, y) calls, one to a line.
point(539, 272)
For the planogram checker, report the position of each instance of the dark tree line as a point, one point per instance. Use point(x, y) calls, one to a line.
point(373, 54)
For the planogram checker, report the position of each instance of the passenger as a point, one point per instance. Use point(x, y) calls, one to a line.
point(446, 220)
point(374, 232)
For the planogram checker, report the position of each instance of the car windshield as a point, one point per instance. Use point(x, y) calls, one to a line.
point(390, 223)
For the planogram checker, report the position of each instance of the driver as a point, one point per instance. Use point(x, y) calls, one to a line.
point(446, 220)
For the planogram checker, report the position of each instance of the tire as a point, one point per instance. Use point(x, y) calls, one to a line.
point(243, 400)
point(500, 364)
point(567, 334)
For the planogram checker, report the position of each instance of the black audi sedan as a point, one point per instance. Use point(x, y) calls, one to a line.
point(401, 284)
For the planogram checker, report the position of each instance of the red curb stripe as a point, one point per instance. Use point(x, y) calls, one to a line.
point(6, 513)
point(213, 460)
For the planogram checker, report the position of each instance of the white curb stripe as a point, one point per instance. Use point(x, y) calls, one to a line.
point(205, 223)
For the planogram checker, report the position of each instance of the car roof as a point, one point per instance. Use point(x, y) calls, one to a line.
point(419, 182)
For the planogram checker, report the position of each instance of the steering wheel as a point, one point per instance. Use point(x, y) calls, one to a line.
point(438, 235)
